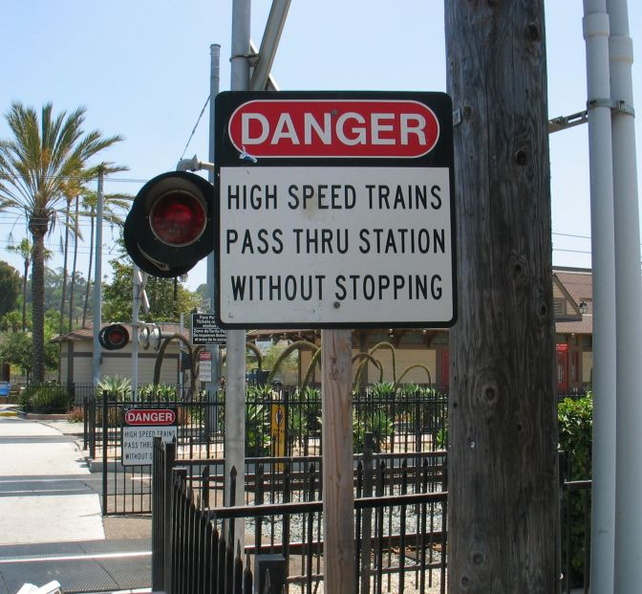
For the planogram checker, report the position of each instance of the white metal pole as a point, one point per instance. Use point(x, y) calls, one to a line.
point(136, 299)
point(97, 317)
point(628, 286)
point(269, 44)
point(596, 35)
point(215, 83)
point(235, 374)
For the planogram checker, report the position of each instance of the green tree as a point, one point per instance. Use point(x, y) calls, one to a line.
point(17, 347)
point(24, 250)
point(112, 203)
point(73, 287)
point(10, 282)
point(44, 163)
point(167, 297)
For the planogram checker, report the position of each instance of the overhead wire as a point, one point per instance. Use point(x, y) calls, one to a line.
point(198, 121)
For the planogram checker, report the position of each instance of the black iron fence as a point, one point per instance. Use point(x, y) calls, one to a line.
point(278, 424)
point(400, 536)
point(400, 539)
point(407, 437)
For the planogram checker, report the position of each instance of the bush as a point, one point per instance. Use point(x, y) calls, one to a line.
point(158, 393)
point(45, 399)
point(115, 386)
point(575, 418)
point(76, 415)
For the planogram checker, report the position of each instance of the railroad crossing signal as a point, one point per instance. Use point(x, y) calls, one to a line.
point(169, 227)
point(113, 337)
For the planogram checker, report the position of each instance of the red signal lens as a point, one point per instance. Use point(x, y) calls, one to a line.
point(113, 337)
point(178, 218)
point(117, 336)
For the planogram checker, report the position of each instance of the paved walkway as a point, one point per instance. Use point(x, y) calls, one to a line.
point(51, 526)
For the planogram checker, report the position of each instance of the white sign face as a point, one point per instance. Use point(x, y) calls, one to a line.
point(334, 212)
point(335, 245)
point(138, 442)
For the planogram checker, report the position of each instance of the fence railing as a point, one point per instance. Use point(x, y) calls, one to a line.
point(400, 536)
point(399, 426)
point(408, 452)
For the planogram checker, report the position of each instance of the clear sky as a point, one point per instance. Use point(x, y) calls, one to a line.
point(142, 70)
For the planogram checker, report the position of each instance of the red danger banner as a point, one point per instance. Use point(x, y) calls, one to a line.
point(150, 416)
point(333, 128)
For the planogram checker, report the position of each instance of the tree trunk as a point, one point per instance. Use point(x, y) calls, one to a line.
point(25, 280)
point(64, 270)
point(38, 232)
point(85, 308)
point(503, 494)
point(74, 266)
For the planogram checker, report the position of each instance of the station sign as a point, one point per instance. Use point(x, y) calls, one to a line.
point(140, 427)
point(336, 209)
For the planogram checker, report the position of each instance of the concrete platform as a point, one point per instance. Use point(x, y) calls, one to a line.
point(51, 525)
point(90, 566)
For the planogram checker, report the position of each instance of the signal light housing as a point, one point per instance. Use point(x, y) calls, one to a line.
point(169, 227)
point(113, 337)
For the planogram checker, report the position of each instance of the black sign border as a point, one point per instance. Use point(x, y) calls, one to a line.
point(442, 155)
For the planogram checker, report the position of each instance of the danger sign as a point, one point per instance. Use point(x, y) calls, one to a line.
point(140, 427)
point(335, 210)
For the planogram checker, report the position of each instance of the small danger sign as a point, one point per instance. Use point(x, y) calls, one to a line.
point(140, 427)
point(151, 416)
point(335, 210)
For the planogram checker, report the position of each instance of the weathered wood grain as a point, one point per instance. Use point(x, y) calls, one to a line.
point(338, 496)
point(503, 505)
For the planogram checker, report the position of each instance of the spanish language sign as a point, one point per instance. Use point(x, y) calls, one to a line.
point(335, 210)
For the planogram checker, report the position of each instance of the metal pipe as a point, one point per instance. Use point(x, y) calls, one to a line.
point(97, 317)
point(596, 35)
point(269, 44)
point(235, 375)
point(628, 287)
point(136, 303)
point(212, 386)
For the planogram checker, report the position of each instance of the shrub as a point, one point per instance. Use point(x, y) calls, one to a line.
point(158, 393)
point(115, 386)
point(45, 399)
point(375, 421)
point(76, 415)
point(257, 420)
point(575, 418)
point(304, 414)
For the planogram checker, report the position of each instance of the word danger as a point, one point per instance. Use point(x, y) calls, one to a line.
point(165, 416)
point(354, 287)
point(334, 128)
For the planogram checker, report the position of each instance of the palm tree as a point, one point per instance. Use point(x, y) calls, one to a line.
point(111, 204)
point(44, 163)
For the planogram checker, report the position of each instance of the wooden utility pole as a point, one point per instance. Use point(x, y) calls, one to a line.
point(503, 489)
